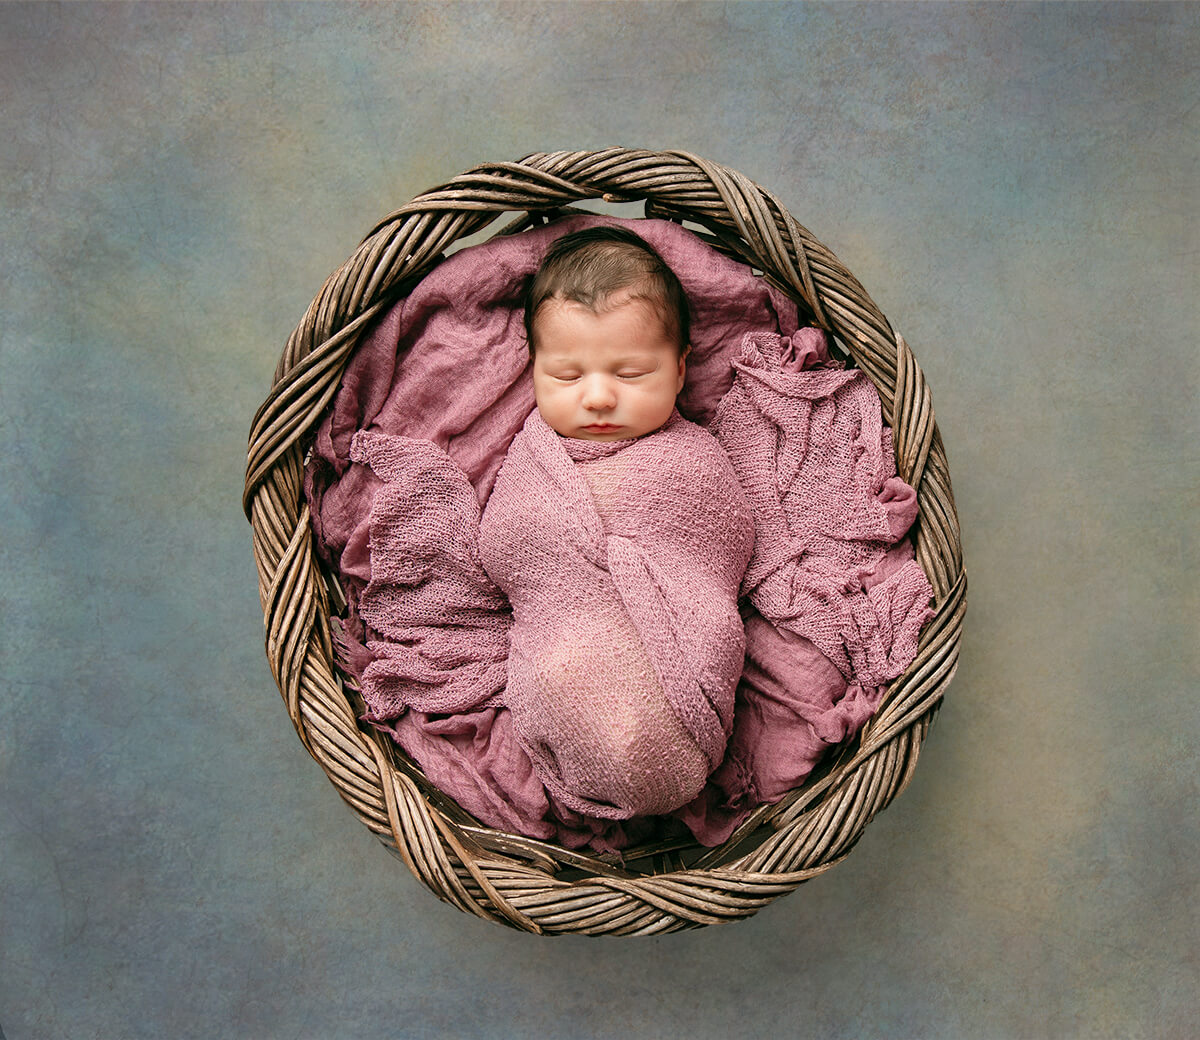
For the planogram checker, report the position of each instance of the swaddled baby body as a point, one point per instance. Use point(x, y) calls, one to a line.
point(620, 535)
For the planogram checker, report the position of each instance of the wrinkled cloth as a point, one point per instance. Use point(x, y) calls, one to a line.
point(439, 626)
point(834, 601)
point(815, 459)
point(622, 562)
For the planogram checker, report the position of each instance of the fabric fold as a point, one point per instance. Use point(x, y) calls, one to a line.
point(439, 625)
point(813, 455)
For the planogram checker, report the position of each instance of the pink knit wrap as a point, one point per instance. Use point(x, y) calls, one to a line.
point(622, 562)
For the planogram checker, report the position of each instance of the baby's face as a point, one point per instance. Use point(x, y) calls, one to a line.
point(608, 376)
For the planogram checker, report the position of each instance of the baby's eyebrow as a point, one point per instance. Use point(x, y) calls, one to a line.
point(637, 359)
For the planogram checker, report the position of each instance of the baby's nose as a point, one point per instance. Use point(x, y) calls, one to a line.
point(598, 393)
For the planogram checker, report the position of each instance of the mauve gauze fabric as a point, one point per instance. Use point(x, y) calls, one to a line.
point(622, 561)
point(447, 368)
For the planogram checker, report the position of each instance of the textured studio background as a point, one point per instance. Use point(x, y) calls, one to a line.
point(1016, 186)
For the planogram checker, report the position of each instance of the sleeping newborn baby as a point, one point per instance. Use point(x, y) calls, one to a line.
point(620, 535)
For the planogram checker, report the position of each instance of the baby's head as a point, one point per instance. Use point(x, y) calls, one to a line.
point(607, 324)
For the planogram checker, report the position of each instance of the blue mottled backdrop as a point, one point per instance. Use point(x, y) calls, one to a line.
point(1016, 185)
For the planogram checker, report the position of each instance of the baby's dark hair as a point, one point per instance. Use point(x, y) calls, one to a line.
point(588, 266)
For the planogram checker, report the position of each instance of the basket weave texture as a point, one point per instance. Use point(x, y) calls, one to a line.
point(531, 885)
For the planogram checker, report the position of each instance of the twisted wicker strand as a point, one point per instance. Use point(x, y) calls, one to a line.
point(912, 425)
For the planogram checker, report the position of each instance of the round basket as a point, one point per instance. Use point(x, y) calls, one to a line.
point(527, 884)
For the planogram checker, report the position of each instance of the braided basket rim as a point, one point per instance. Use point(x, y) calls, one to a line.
point(526, 884)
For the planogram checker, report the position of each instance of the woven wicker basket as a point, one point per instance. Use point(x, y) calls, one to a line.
point(527, 884)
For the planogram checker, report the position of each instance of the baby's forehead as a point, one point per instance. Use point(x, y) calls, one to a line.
point(636, 312)
point(633, 296)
